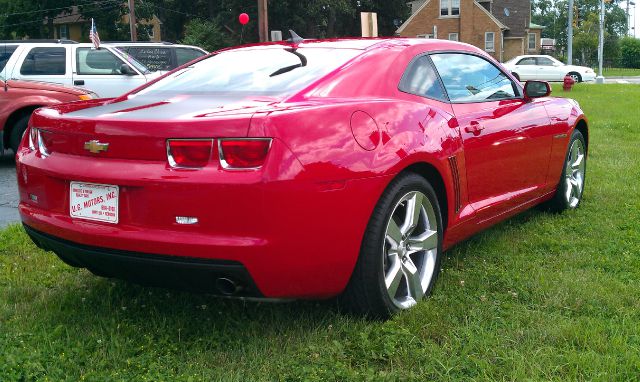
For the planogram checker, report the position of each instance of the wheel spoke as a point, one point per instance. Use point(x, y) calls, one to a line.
point(424, 242)
point(412, 215)
point(393, 277)
point(394, 236)
point(569, 192)
point(412, 274)
point(577, 162)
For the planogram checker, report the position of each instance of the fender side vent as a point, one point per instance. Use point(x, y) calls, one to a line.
point(453, 164)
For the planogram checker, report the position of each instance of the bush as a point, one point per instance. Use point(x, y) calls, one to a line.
point(206, 34)
point(630, 52)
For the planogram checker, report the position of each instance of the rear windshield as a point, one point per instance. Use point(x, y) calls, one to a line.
point(267, 71)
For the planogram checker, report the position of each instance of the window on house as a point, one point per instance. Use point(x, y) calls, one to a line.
point(63, 32)
point(453, 36)
point(449, 7)
point(489, 41)
point(532, 41)
point(45, 61)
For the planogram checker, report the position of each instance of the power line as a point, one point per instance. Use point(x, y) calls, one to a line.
point(88, 2)
point(59, 17)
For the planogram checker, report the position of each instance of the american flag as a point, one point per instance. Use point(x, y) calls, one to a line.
point(93, 35)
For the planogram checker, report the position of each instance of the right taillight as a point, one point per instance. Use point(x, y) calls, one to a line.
point(243, 153)
point(189, 153)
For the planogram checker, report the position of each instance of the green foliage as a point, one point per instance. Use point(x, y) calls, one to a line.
point(540, 297)
point(630, 52)
point(205, 34)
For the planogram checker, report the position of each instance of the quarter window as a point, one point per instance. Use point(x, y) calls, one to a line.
point(45, 62)
point(489, 41)
point(184, 55)
point(532, 41)
point(97, 62)
point(469, 78)
point(449, 7)
point(421, 79)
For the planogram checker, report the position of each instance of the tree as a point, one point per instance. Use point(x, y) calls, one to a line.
point(630, 52)
point(205, 34)
point(31, 18)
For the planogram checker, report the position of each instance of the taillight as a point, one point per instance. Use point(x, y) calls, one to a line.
point(33, 138)
point(243, 153)
point(37, 142)
point(189, 153)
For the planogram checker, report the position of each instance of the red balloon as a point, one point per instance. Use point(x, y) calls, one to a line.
point(243, 18)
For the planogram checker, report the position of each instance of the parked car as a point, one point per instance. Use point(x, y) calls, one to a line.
point(160, 56)
point(105, 71)
point(18, 99)
point(547, 68)
point(300, 170)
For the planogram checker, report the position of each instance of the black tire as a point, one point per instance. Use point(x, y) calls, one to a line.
point(576, 76)
point(516, 76)
point(17, 131)
point(561, 200)
point(367, 294)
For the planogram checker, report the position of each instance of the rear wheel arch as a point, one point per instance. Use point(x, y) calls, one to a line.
point(433, 176)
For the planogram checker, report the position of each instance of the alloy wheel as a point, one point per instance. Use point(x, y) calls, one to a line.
point(410, 249)
point(574, 173)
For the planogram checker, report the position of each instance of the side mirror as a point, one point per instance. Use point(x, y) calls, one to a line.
point(126, 70)
point(536, 89)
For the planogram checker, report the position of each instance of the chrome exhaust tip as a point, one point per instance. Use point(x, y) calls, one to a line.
point(227, 286)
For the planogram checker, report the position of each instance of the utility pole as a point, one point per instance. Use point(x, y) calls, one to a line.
point(263, 20)
point(600, 78)
point(628, 23)
point(570, 35)
point(132, 20)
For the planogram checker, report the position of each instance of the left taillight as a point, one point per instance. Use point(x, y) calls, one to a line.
point(38, 142)
point(189, 153)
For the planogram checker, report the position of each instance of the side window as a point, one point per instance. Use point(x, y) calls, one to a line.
point(154, 58)
point(97, 62)
point(6, 51)
point(184, 55)
point(421, 79)
point(45, 61)
point(469, 78)
point(527, 61)
point(543, 61)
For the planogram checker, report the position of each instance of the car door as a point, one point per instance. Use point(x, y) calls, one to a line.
point(505, 137)
point(44, 63)
point(99, 70)
point(526, 68)
point(547, 70)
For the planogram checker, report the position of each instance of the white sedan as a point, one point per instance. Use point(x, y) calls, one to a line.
point(546, 68)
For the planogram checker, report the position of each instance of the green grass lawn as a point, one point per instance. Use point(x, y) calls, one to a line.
point(538, 297)
point(619, 72)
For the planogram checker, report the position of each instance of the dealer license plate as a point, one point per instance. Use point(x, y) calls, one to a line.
point(91, 201)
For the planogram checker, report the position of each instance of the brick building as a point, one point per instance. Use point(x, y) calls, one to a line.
point(502, 28)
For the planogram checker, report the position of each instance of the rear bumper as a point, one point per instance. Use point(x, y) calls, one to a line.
point(203, 275)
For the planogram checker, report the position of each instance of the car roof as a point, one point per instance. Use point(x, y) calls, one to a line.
point(371, 44)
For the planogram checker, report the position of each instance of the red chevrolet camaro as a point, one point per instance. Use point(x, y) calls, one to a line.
point(307, 169)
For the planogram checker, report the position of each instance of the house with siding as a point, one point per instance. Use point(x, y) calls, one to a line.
point(502, 28)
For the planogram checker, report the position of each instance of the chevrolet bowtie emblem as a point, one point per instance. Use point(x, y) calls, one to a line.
point(95, 146)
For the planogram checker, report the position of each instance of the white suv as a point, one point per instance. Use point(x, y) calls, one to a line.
point(105, 71)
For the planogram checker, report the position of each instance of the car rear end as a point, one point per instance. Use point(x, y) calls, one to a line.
point(173, 189)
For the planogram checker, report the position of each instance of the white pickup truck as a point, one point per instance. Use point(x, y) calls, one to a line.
point(106, 71)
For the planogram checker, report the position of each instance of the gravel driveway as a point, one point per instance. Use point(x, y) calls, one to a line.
point(8, 191)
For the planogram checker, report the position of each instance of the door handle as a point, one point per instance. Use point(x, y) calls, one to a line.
point(78, 82)
point(474, 128)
